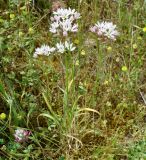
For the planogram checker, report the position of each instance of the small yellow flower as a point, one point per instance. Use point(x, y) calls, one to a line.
point(12, 16)
point(77, 63)
point(134, 46)
point(76, 41)
point(144, 29)
point(21, 34)
point(2, 116)
point(106, 82)
point(124, 68)
point(31, 30)
point(83, 52)
point(109, 49)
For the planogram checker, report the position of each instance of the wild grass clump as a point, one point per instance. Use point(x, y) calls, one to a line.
point(73, 81)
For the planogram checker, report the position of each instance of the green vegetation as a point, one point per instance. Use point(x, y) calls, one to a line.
point(84, 104)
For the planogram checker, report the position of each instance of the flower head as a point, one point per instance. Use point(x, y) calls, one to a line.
point(43, 50)
point(64, 20)
point(3, 116)
point(12, 16)
point(105, 29)
point(21, 135)
point(124, 68)
point(144, 29)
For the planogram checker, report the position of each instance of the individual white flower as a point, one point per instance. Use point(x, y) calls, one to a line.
point(53, 30)
point(56, 18)
point(106, 29)
point(66, 25)
point(69, 46)
point(54, 27)
point(21, 135)
point(43, 50)
point(77, 15)
point(60, 47)
point(93, 29)
point(74, 28)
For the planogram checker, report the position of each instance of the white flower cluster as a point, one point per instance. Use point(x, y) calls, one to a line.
point(64, 20)
point(43, 50)
point(105, 29)
point(60, 47)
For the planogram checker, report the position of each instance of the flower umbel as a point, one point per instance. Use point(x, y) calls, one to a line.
point(64, 20)
point(105, 29)
point(21, 135)
point(43, 50)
